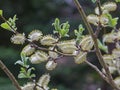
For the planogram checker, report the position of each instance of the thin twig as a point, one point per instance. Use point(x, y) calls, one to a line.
point(98, 52)
point(10, 75)
point(97, 70)
point(99, 23)
point(45, 49)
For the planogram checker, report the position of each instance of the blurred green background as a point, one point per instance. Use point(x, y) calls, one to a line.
point(40, 14)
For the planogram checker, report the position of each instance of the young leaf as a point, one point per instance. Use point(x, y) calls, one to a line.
point(29, 71)
point(19, 62)
point(112, 21)
point(78, 33)
point(5, 26)
point(56, 25)
point(61, 29)
point(21, 75)
point(1, 12)
point(102, 46)
point(24, 60)
point(15, 18)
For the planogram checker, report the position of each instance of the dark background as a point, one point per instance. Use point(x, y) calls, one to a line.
point(40, 14)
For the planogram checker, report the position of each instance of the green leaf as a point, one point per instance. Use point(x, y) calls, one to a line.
point(78, 33)
point(21, 75)
point(5, 26)
point(112, 21)
point(19, 62)
point(102, 46)
point(24, 60)
point(63, 33)
point(61, 29)
point(15, 18)
point(1, 12)
point(81, 29)
point(56, 25)
point(29, 72)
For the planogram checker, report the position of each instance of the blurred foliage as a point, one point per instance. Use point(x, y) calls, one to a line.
point(40, 14)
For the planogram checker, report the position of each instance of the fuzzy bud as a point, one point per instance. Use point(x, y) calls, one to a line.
point(48, 40)
point(108, 59)
point(97, 11)
point(109, 38)
point(44, 80)
point(81, 57)
point(67, 46)
point(38, 57)
point(18, 38)
point(54, 55)
point(28, 50)
point(86, 43)
point(51, 65)
point(35, 35)
point(93, 19)
point(109, 6)
point(104, 20)
point(28, 86)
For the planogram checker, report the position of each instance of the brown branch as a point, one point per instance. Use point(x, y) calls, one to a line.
point(10, 75)
point(98, 52)
point(97, 70)
point(99, 23)
point(45, 49)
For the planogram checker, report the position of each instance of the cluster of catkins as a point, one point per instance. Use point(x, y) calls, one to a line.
point(49, 48)
point(101, 16)
point(111, 59)
point(42, 84)
point(53, 48)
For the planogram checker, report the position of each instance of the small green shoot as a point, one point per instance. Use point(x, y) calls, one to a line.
point(61, 29)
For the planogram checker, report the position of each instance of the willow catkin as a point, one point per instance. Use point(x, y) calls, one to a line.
point(18, 38)
point(35, 35)
point(48, 40)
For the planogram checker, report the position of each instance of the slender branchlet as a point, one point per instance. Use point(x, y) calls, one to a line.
point(10, 75)
point(98, 52)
